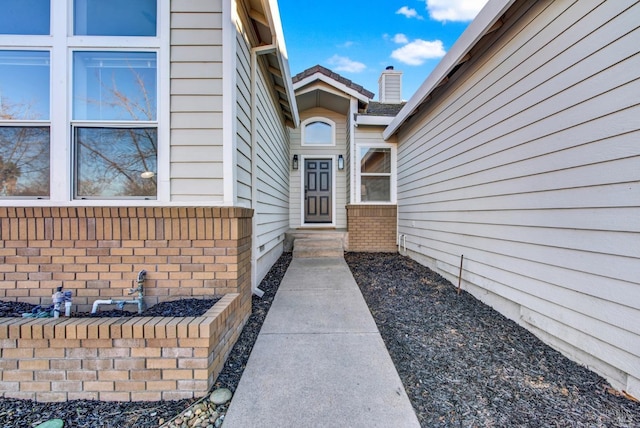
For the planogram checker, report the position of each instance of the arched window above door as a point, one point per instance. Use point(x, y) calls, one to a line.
point(317, 131)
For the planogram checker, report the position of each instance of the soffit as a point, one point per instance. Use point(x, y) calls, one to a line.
point(320, 98)
point(265, 20)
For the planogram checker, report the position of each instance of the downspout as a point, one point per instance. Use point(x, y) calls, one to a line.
point(255, 52)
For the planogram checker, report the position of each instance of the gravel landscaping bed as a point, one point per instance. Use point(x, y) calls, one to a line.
point(178, 308)
point(461, 362)
point(100, 414)
point(464, 364)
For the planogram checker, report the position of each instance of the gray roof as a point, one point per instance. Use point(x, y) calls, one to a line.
point(383, 109)
point(335, 76)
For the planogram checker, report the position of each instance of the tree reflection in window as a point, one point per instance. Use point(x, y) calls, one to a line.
point(24, 123)
point(24, 161)
point(116, 162)
point(115, 128)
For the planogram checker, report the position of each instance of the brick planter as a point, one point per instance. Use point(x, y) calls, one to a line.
point(117, 359)
point(96, 252)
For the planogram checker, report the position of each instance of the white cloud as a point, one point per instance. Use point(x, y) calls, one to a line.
point(418, 51)
point(400, 38)
point(408, 12)
point(346, 44)
point(341, 63)
point(454, 10)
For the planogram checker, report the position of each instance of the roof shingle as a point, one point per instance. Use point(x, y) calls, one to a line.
point(335, 76)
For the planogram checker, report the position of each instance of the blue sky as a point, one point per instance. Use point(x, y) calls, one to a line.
point(358, 39)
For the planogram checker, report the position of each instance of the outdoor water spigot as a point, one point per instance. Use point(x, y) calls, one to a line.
point(141, 276)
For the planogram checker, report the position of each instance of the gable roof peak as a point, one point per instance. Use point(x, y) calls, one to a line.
point(318, 69)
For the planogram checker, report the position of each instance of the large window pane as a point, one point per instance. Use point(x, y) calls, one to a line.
point(375, 189)
point(29, 17)
point(24, 85)
point(114, 17)
point(318, 133)
point(114, 86)
point(375, 160)
point(116, 162)
point(24, 161)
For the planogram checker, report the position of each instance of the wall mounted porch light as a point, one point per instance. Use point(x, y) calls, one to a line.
point(340, 162)
point(294, 162)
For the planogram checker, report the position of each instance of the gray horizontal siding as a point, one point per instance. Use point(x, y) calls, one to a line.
point(529, 165)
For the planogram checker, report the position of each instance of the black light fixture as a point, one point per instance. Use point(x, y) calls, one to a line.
point(294, 163)
point(340, 162)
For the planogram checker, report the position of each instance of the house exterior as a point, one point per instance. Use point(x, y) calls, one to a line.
point(170, 137)
point(148, 135)
point(520, 151)
point(343, 170)
point(163, 112)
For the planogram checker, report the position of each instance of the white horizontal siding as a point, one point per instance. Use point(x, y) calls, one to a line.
point(529, 165)
point(341, 147)
point(196, 6)
point(272, 209)
point(243, 120)
point(195, 137)
point(196, 101)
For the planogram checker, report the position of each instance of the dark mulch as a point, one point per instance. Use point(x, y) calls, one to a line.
point(190, 307)
point(464, 364)
point(101, 414)
point(14, 309)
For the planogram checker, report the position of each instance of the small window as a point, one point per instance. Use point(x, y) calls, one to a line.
point(24, 124)
point(25, 17)
point(375, 174)
point(114, 17)
point(318, 132)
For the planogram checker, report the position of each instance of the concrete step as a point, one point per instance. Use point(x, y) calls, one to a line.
point(318, 247)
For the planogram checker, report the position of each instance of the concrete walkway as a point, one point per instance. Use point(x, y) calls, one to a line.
point(319, 359)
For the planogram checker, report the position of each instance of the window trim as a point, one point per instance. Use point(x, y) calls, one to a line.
point(98, 123)
point(61, 43)
point(309, 121)
point(392, 175)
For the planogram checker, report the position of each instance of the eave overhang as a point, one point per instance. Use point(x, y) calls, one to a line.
point(487, 21)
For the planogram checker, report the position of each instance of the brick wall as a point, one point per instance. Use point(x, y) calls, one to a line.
point(96, 252)
point(117, 359)
point(372, 228)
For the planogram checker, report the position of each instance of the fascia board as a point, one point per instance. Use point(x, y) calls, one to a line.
point(326, 79)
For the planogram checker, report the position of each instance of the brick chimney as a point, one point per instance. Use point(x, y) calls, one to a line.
point(390, 86)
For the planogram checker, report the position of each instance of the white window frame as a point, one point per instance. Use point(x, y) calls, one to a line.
point(61, 43)
point(303, 127)
point(392, 175)
point(90, 123)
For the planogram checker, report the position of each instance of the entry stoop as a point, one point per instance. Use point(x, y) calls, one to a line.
point(309, 244)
